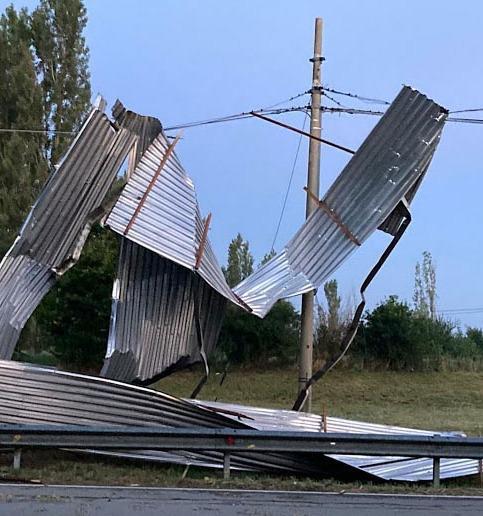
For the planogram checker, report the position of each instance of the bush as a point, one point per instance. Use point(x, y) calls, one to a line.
point(247, 339)
point(396, 337)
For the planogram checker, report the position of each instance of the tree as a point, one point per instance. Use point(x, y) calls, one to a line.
point(244, 337)
point(240, 261)
point(425, 287)
point(74, 316)
point(23, 168)
point(62, 65)
point(44, 86)
point(331, 322)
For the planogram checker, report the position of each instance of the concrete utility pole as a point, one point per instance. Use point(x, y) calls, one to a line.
point(307, 323)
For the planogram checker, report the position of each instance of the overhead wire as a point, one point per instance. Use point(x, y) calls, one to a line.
point(356, 96)
point(289, 185)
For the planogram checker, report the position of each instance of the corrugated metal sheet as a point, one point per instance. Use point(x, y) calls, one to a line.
point(387, 167)
point(169, 222)
point(154, 331)
point(387, 468)
point(55, 231)
point(32, 394)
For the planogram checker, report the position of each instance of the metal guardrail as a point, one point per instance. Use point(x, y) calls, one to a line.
point(230, 440)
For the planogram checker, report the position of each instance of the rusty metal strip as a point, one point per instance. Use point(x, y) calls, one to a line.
point(151, 184)
point(204, 236)
point(303, 133)
point(333, 215)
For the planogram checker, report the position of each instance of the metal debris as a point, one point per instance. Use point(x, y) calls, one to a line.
point(57, 227)
point(157, 301)
point(386, 168)
point(34, 394)
point(153, 331)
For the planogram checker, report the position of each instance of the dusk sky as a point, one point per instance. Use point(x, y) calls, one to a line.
point(183, 61)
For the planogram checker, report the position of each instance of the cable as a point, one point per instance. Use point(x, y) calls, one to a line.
point(332, 99)
point(238, 116)
point(37, 131)
point(358, 97)
point(355, 111)
point(467, 110)
point(351, 111)
point(288, 100)
point(288, 186)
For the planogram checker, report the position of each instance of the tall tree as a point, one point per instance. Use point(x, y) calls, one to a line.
point(62, 65)
point(240, 261)
point(244, 337)
point(425, 287)
point(23, 167)
point(332, 322)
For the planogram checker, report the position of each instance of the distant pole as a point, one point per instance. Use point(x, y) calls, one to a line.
point(307, 322)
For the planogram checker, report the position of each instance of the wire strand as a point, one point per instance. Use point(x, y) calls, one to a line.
point(289, 185)
point(356, 96)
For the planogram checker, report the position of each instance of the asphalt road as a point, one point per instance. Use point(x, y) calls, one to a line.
point(16, 499)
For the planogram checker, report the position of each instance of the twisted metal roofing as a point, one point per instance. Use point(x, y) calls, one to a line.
point(153, 328)
point(153, 324)
point(169, 222)
point(386, 168)
point(34, 394)
point(55, 231)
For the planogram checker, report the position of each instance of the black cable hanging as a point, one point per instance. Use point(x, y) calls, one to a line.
point(352, 330)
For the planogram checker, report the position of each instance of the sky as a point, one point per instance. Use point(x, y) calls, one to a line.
point(186, 60)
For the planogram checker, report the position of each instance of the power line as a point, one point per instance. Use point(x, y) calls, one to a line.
point(288, 186)
point(356, 96)
point(238, 116)
point(467, 110)
point(457, 311)
point(37, 131)
point(355, 111)
point(288, 100)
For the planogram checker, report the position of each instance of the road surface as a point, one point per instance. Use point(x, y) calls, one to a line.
point(16, 499)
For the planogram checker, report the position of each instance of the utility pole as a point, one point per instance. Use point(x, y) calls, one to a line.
point(313, 177)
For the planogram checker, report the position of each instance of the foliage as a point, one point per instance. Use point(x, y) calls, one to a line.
point(331, 323)
point(400, 338)
point(61, 59)
point(425, 287)
point(23, 167)
point(240, 261)
point(44, 86)
point(74, 316)
point(244, 337)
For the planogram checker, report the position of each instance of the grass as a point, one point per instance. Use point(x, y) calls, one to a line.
point(451, 401)
point(440, 401)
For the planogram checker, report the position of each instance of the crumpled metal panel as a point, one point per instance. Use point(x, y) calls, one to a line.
point(169, 222)
point(154, 328)
point(55, 231)
point(23, 284)
point(383, 467)
point(387, 167)
point(34, 394)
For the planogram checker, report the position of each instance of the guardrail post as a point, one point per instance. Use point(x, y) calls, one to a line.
point(226, 465)
point(436, 471)
point(17, 458)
